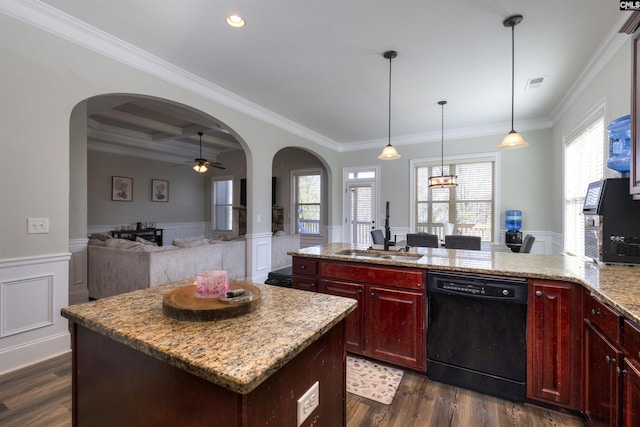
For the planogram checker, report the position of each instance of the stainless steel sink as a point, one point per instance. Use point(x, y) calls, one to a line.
point(374, 254)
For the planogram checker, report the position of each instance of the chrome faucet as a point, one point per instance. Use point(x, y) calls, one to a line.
point(387, 230)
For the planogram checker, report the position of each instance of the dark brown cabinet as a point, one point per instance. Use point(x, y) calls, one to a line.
point(602, 392)
point(554, 328)
point(603, 364)
point(634, 175)
point(631, 375)
point(304, 272)
point(354, 335)
point(395, 329)
point(390, 322)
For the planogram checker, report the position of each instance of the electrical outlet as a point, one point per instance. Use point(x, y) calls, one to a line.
point(37, 225)
point(308, 402)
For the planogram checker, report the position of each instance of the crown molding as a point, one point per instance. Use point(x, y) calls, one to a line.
point(612, 43)
point(49, 19)
point(69, 28)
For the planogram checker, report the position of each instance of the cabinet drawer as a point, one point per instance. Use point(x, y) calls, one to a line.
point(605, 318)
point(407, 278)
point(631, 336)
point(305, 266)
point(304, 283)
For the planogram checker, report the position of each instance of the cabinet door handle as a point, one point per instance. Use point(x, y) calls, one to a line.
point(538, 293)
point(609, 359)
point(595, 312)
point(360, 291)
point(620, 371)
point(303, 267)
point(372, 295)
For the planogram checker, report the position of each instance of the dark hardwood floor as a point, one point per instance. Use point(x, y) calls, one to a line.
point(40, 395)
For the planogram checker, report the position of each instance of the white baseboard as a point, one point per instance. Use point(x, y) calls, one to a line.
point(28, 353)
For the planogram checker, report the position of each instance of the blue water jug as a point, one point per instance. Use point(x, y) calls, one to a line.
point(619, 131)
point(513, 220)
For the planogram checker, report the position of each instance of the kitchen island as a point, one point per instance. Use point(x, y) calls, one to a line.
point(617, 285)
point(132, 365)
point(577, 332)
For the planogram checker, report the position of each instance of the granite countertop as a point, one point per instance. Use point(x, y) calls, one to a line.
point(619, 286)
point(237, 353)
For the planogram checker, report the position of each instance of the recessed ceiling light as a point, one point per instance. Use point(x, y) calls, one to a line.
point(235, 20)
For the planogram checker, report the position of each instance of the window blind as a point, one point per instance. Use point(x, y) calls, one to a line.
point(470, 206)
point(583, 164)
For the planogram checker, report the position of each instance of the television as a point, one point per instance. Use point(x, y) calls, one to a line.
point(243, 191)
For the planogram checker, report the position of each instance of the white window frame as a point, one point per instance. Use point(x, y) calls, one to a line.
point(294, 198)
point(345, 202)
point(214, 220)
point(599, 109)
point(494, 157)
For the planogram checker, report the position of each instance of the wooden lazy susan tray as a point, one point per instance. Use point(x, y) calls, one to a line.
point(182, 304)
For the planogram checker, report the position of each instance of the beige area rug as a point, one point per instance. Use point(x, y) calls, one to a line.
point(372, 380)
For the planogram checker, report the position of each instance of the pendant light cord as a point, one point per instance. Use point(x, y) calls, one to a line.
point(389, 124)
point(513, 29)
point(442, 104)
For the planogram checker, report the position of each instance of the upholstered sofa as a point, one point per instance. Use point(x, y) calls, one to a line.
point(112, 270)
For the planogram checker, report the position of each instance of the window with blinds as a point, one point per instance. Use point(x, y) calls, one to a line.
point(583, 164)
point(222, 204)
point(308, 199)
point(469, 207)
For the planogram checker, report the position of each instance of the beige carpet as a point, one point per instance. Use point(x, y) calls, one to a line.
point(371, 380)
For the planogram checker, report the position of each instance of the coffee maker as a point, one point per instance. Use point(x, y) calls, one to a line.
point(611, 222)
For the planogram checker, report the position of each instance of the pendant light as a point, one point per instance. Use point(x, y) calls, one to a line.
point(389, 152)
point(443, 181)
point(513, 139)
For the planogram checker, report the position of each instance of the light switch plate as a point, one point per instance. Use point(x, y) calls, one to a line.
point(37, 225)
point(308, 402)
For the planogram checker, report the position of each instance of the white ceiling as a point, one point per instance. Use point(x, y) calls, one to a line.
point(319, 64)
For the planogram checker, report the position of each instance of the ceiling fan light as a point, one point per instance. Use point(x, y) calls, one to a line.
point(200, 167)
point(443, 181)
point(389, 153)
point(512, 140)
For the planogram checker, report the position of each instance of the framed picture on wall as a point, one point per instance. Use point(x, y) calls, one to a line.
point(159, 190)
point(121, 188)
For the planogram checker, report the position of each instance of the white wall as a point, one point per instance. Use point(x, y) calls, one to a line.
point(44, 77)
point(187, 200)
point(523, 176)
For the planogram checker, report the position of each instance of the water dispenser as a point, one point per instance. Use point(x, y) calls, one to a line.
point(619, 131)
point(513, 224)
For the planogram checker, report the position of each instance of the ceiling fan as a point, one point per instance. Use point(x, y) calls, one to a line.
point(200, 164)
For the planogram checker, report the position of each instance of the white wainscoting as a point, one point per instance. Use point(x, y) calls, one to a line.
point(78, 290)
point(32, 292)
point(258, 257)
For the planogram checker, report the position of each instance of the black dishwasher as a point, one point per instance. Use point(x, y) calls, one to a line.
point(476, 333)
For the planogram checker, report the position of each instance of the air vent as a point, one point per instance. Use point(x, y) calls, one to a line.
point(534, 83)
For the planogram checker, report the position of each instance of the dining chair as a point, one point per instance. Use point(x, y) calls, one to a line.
point(424, 240)
point(378, 237)
point(527, 244)
point(462, 242)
